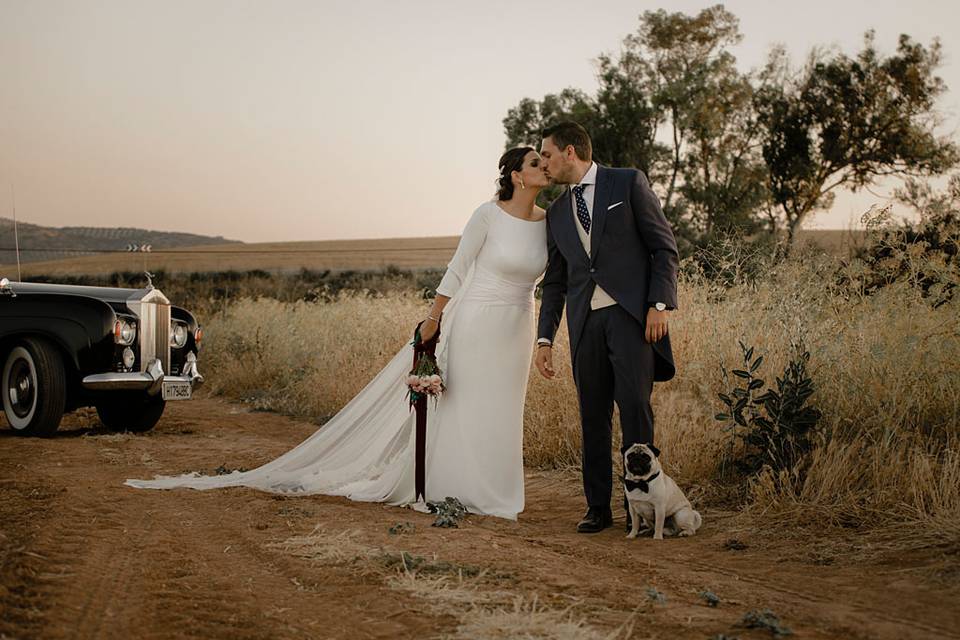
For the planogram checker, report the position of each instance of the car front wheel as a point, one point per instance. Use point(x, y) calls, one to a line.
point(34, 388)
point(130, 411)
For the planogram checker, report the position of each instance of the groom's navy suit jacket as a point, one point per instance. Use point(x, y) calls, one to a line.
point(633, 257)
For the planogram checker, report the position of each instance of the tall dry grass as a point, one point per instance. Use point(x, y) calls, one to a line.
point(305, 358)
point(886, 368)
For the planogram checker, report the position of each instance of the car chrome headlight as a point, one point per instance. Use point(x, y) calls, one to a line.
point(178, 334)
point(124, 331)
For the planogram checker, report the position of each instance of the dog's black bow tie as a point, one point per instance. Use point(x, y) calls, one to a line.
point(643, 485)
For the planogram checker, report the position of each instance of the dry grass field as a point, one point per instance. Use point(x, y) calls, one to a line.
point(886, 369)
point(336, 255)
point(837, 241)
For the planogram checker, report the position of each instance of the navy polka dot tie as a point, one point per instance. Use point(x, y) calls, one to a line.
point(583, 214)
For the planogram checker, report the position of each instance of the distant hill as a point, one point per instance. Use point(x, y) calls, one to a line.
point(39, 243)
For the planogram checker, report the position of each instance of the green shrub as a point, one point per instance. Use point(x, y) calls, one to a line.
point(777, 427)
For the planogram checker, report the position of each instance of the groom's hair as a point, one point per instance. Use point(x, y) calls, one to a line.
point(567, 133)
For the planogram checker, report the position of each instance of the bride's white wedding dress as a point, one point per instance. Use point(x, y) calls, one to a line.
point(475, 433)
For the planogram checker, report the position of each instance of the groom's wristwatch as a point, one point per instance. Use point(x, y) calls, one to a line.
point(659, 306)
point(544, 342)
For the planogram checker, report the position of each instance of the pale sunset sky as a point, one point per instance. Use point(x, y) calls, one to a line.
point(313, 120)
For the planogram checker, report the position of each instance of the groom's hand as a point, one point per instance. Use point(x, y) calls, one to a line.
point(544, 361)
point(656, 325)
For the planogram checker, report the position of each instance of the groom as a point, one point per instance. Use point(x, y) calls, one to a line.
point(613, 261)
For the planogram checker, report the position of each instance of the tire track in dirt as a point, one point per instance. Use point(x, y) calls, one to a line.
point(85, 565)
point(209, 584)
point(108, 561)
point(231, 585)
point(24, 573)
point(103, 558)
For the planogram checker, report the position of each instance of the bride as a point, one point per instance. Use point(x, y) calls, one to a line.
point(475, 434)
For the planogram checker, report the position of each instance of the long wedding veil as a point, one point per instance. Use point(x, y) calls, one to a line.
point(364, 452)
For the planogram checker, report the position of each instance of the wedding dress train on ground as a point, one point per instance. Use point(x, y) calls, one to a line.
point(474, 435)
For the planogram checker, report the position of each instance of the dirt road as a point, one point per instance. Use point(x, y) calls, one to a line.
point(82, 556)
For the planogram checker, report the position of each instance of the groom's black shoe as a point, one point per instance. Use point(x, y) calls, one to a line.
point(596, 519)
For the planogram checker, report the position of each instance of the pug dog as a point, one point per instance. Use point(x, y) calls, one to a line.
point(654, 497)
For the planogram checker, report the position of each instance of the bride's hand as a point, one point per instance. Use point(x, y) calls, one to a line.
point(428, 329)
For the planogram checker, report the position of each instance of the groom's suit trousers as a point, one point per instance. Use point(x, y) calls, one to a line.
point(614, 363)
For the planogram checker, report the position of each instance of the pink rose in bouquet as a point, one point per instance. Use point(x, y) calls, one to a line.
point(425, 380)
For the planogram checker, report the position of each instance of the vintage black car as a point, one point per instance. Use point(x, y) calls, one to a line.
point(124, 351)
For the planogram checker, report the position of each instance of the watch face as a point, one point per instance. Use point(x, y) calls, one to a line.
point(660, 306)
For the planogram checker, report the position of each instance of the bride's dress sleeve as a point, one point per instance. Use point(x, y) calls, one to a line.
point(471, 241)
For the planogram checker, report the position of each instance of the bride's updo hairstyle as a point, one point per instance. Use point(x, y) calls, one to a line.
point(510, 161)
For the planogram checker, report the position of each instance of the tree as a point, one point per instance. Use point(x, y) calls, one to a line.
point(525, 122)
point(625, 127)
point(673, 77)
point(729, 152)
point(724, 177)
point(844, 122)
point(678, 56)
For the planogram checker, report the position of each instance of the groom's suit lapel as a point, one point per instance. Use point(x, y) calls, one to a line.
point(563, 221)
point(601, 200)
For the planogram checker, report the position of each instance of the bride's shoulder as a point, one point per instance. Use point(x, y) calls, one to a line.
point(486, 209)
point(482, 215)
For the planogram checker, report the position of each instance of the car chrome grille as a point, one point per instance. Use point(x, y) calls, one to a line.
point(155, 333)
point(163, 336)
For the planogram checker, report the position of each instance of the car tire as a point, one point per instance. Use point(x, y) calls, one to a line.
point(130, 411)
point(34, 387)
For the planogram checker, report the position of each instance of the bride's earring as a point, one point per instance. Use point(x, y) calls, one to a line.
point(522, 186)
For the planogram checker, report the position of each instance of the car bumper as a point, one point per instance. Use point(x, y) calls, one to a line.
point(150, 380)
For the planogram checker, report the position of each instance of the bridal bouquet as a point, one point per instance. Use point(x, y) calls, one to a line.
point(425, 379)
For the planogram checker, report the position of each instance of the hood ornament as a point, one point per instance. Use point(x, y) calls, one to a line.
point(150, 277)
point(5, 288)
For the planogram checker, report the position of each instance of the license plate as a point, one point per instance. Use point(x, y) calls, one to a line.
point(176, 390)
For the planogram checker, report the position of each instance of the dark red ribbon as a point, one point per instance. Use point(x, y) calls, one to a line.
point(420, 406)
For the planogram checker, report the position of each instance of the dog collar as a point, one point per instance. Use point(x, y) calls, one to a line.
point(643, 485)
